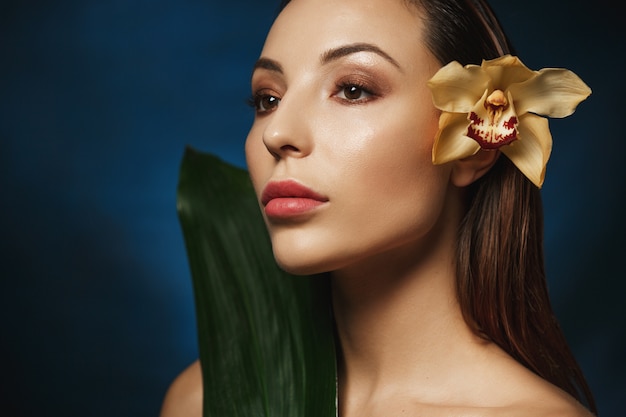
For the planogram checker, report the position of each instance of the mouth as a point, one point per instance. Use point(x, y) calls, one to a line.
point(287, 199)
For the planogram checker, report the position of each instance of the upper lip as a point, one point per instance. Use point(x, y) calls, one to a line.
point(288, 188)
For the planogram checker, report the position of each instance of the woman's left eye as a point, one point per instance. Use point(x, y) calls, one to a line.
point(354, 93)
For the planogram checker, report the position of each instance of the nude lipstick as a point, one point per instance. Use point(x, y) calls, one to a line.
point(288, 199)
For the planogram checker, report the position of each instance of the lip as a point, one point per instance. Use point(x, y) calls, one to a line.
point(289, 198)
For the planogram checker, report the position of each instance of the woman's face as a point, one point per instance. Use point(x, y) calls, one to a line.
point(340, 149)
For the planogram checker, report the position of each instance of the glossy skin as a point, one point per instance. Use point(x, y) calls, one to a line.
point(356, 128)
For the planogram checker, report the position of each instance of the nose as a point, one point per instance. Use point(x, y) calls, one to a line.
point(287, 133)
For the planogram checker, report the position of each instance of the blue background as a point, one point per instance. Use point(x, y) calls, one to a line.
point(98, 100)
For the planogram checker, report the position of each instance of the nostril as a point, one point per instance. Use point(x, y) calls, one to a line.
point(284, 150)
point(288, 148)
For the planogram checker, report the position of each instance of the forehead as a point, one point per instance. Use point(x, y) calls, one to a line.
point(311, 27)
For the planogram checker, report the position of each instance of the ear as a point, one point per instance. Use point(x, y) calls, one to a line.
point(467, 170)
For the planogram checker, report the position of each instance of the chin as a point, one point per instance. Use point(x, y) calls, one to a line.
point(298, 267)
point(301, 253)
point(303, 260)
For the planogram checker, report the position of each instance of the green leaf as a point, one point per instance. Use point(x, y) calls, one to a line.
point(265, 337)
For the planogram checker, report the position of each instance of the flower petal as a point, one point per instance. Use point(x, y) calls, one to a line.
point(507, 70)
point(503, 61)
point(531, 151)
point(554, 92)
point(451, 143)
point(456, 88)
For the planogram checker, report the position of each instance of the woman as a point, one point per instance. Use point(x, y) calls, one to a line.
point(437, 273)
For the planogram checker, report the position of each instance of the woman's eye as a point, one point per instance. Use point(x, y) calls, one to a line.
point(264, 103)
point(353, 92)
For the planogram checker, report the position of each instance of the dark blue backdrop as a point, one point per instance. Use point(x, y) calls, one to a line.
point(97, 102)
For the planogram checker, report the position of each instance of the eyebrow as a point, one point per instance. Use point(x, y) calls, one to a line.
point(329, 56)
point(268, 64)
point(345, 50)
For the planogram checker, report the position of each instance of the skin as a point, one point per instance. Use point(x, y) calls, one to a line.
point(357, 127)
point(365, 154)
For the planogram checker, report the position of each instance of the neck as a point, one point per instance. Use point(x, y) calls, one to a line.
point(399, 322)
point(387, 319)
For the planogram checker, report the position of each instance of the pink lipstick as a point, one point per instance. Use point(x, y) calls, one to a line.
point(285, 199)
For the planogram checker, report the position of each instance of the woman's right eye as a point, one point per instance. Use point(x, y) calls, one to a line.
point(263, 102)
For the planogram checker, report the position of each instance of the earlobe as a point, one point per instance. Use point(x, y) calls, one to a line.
point(467, 170)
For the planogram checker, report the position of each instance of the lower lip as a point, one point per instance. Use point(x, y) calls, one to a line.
point(290, 207)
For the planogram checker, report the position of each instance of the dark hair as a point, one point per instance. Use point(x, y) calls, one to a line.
point(501, 280)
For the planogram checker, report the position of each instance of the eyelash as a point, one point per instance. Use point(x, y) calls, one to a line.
point(255, 101)
point(362, 87)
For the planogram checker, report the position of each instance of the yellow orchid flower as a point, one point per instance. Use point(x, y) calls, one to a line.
point(498, 105)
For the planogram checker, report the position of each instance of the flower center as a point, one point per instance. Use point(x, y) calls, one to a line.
point(493, 124)
point(495, 104)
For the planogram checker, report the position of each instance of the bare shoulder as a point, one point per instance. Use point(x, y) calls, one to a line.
point(562, 408)
point(556, 404)
point(507, 388)
point(539, 398)
point(184, 396)
point(543, 404)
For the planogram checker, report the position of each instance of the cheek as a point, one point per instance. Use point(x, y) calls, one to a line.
point(393, 158)
point(390, 192)
point(258, 159)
